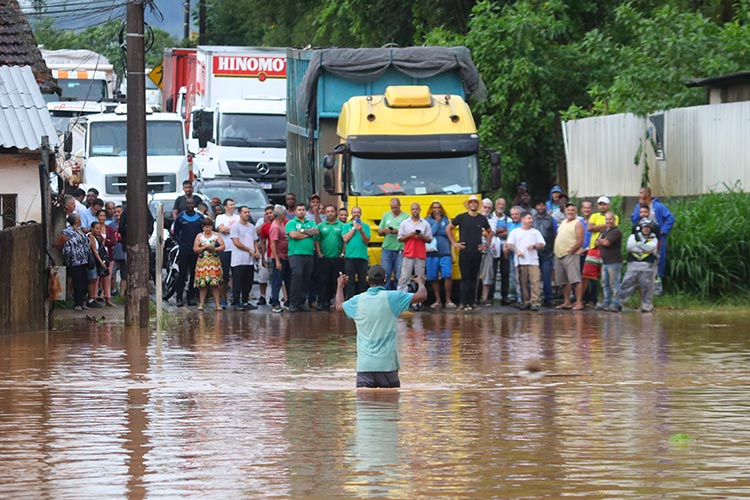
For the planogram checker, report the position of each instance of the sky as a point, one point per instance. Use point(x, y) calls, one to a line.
point(69, 14)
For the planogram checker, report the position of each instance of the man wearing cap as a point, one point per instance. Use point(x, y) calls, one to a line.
point(553, 203)
point(392, 250)
point(596, 224)
point(641, 260)
point(472, 226)
point(314, 213)
point(664, 218)
point(375, 314)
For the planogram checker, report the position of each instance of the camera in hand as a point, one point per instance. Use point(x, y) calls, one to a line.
point(418, 231)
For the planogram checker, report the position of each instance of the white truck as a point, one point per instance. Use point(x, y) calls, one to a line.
point(98, 145)
point(83, 75)
point(238, 125)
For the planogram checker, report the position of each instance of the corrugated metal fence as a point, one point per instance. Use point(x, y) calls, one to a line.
point(700, 149)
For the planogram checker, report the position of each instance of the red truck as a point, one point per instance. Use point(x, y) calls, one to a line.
point(178, 83)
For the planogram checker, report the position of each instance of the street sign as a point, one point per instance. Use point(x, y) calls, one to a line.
point(156, 75)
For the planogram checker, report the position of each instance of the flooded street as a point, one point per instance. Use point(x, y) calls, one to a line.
point(254, 405)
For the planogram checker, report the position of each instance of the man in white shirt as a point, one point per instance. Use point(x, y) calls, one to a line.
point(245, 252)
point(224, 223)
point(524, 242)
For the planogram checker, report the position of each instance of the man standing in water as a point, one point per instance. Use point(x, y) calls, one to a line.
point(375, 313)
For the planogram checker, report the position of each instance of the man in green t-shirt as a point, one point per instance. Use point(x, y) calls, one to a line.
point(329, 246)
point(301, 233)
point(356, 235)
point(392, 250)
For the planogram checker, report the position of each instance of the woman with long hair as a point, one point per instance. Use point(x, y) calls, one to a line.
point(208, 275)
point(101, 267)
point(440, 255)
point(110, 239)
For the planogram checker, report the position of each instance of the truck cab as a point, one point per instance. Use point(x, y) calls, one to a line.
point(406, 143)
point(99, 146)
point(244, 139)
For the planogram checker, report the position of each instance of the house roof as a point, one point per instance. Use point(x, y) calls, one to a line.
point(24, 118)
point(721, 81)
point(18, 46)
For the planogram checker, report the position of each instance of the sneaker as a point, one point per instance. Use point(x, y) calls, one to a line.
point(92, 304)
point(487, 303)
point(78, 308)
point(262, 301)
point(535, 308)
point(179, 302)
point(525, 307)
point(658, 288)
point(238, 307)
point(462, 307)
point(249, 306)
point(615, 308)
point(303, 308)
point(223, 304)
point(505, 302)
point(646, 310)
point(601, 307)
point(276, 309)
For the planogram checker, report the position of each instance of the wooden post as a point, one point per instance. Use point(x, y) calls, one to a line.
point(137, 297)
point(46, 195)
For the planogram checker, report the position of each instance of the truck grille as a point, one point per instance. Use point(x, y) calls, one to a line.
point(271, 176)
point(166, 183)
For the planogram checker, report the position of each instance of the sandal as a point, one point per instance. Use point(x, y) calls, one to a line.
point(200, 307)
point(578, 308)
point(562, 306)
point(219, 308)
point(436, 305)
point(450, 305)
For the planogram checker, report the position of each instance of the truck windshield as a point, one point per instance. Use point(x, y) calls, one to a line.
point(162, 139)
point(245, 130)
point(82, 90)
point(385, 176)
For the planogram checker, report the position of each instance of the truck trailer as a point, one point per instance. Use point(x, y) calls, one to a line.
point(365, 125)
point(83, 75)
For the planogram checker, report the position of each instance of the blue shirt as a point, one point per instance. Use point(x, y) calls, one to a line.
point(87, 218)
point(440, 235)
point(375, 313)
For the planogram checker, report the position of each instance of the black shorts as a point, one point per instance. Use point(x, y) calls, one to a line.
point(383, 380)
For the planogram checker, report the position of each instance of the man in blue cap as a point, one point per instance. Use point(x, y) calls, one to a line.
point(375, 312)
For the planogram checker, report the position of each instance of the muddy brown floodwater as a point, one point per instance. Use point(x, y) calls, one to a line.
point(253, 405)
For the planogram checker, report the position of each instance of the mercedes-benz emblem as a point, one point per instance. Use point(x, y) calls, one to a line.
point(263, 168)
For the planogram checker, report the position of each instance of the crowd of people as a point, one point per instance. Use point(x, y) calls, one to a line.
point(539, 254)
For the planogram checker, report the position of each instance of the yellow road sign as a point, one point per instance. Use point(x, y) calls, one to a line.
point(156, 75)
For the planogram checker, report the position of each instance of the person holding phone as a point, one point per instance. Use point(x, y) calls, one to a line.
point(414, 233)
point(392, 249)
point(356, 236)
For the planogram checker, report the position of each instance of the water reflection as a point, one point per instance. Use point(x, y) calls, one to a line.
point(260, 405)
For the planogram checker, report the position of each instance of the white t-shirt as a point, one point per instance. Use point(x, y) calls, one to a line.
point(521, 239)
point(247, 236)
point(228, 221)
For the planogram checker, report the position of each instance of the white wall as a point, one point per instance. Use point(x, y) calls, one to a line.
point(19, 174)
point(706, 148)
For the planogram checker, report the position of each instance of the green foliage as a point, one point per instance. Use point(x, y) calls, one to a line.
point(709, 245)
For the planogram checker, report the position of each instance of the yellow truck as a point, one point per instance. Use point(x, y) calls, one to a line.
point(407, 133)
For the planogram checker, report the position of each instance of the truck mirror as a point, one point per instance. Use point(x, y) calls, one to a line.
point(203, 127)
point(328, 161)
point(496, 177)
point(68, 142)
point(169, 105)
point(329, 181)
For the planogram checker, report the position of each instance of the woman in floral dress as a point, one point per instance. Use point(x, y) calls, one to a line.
point(208, 245)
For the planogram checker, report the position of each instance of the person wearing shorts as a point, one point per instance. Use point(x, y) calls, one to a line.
point(568, 245)
point(375, 313)
point(263, 228)
point(439, 264)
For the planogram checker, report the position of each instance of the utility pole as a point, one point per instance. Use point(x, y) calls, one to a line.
point(137, 298)
point(201, 22)
point(186, 22)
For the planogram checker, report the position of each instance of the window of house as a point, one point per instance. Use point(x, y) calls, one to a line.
point(8, 210)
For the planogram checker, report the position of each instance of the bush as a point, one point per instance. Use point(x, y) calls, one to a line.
point(709, 246)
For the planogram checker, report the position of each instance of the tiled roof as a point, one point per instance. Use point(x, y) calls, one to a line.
point(18, 46)
point(24, 118)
